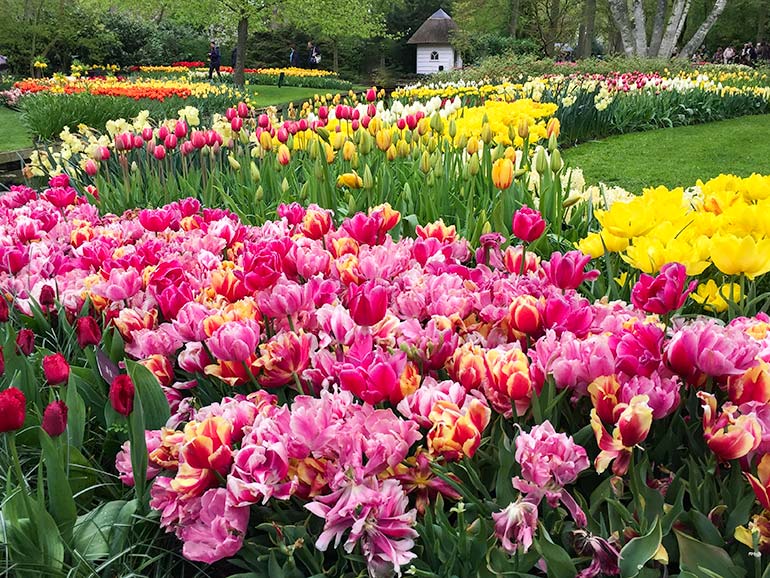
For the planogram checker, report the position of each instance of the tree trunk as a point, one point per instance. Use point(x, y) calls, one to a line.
point(674, 28)
point(586, 41)
point(700, 34)
point(554, 14)
point(762, 22)
point(335, 56)
point(240, 58)
point(640, 28)
point(513, 22)
point(657, 28)
point(619, 11)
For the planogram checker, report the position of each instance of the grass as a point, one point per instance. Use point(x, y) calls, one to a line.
point(676, 156)
point(268, 95)
point(13, 135)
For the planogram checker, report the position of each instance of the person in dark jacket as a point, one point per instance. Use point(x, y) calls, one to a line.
point(294, 57)
point(215, 60)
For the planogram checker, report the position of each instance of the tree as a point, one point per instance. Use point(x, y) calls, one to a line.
point(333, 20)
point(665, 33)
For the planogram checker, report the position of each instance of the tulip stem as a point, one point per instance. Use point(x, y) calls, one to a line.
point(17, 469)
point(298, 381)
point(523, 258)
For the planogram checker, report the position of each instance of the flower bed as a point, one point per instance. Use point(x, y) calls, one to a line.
point(320, 394)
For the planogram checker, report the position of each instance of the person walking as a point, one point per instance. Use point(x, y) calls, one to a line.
point(313, 55)
point(294, 57)
point(215, 60)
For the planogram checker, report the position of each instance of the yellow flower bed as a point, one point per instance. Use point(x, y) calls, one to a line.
point(724, 222)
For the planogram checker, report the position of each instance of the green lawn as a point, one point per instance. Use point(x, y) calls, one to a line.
point(676, 156)
point(270, 94)
point(13, 135)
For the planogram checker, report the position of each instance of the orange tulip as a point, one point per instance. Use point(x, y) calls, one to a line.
point(502, 173)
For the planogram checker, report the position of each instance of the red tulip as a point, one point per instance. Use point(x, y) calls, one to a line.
point(368, 303)
point(371, 95)
point(163, 132)
point(528, 224)
point(122, 395)
point(263, 121)
point(56, 369)
point(55, 418)
point(323, 112)
point(4, 310)
point(12, 409)
point(88, 331)
point(103, 153)
point(147, 133)
point(243, 110)
point(231, 113)
point(25, 341)
point(47, 296)
point(371, 110)
point(282, 134)
point(138, 141)
point(401, 124)
point(236, 123)
point(302, 124)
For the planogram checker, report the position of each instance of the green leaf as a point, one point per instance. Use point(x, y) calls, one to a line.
point(558, 560)
point(639, 551)
point(148, 390)
point(60, 499)
point(136, 428)
point(76, 413)
point(704, 560)
point(95, 531)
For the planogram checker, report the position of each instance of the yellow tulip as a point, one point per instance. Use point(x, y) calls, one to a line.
point(740, 255)
point(350, 180)
point(384, 139)
point(283, 155)
point(502, 173)
point(348, 150)
point(715, 298)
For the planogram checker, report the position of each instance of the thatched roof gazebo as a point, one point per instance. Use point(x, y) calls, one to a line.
point(433, 40)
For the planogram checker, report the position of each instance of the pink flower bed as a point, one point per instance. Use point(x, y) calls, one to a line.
point(355, 363)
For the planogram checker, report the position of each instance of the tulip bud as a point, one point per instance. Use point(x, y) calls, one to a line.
point(283, 155)
point(285, 186)
point(552, 144)
point(486, 133)
point(88, 331)
point(452, 129)
point(260, 193)
point(368, 179)
point(523, 128)
point(56, 369)
point(473, 165)
point(265, 141)
point(122, 395)
point(25, 341)
point(348, 150)
point(473, 146)
point(234, 164)
point(541, 160)
point(254, 172)
point(553, 128)
point(47, 296)
point(502, 173)
point(391, 153)
point(13, 409)
point(425, 162)
point(55, 418)
point(556, 162)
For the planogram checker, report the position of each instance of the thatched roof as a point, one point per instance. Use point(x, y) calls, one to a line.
point(435, 30)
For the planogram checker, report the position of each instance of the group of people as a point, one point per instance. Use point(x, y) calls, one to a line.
point(312, 61)
point(749, 54)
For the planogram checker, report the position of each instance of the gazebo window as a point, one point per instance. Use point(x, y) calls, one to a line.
point(434, 55)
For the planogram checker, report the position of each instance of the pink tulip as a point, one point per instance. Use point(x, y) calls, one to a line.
point(155, 220)
point(102, 154)
point(187, 148)
point(147, 133)
point(91, 168)
point(231, 113)
point(283, 134)
point(401, 124)
point(236, 123)
point(180, 129)
point(198, 139)
point(263, 121)
point(170, 141)
point(371, 95)
point(163, 132)
point(368, 303)
point(234, 341)
point(515, 526)
point(528, 224)
point(664, 293)
point(323, 112)
point(243, 110)
point(159, 152)
point(567, 271)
